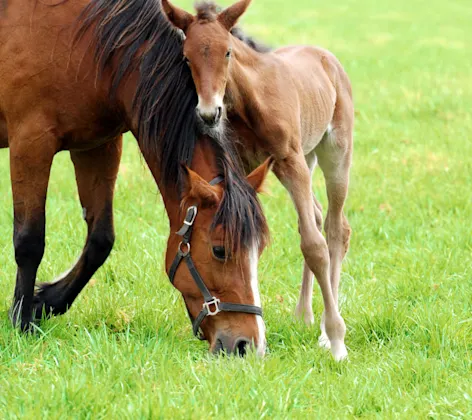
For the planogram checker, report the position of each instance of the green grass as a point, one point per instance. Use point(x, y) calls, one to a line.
point(125, 349)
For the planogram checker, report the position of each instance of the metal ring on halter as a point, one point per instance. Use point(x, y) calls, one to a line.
point(214, 302)
point(184, 253)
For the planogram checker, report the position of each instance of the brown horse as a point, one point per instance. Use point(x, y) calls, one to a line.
point(75, 76)
point(294, 104)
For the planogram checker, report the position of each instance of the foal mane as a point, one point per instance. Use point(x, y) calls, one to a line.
point(135, 34)
point(208, 10)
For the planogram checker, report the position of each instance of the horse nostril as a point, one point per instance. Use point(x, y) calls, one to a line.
point(219, 347)
point(241, 347)
point(219, 111)
point(212, 118)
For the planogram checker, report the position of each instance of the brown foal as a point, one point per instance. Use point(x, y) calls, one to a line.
point(295, 104)
point(77, 75)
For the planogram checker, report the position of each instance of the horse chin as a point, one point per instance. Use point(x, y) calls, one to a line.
point(215, 131)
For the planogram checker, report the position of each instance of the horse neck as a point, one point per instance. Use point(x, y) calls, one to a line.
point(246, 70)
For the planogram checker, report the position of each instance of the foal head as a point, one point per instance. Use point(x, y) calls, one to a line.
point(228, 274)
point(207, 50)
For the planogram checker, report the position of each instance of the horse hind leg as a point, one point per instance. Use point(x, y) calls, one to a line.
point(295, 176)
point(32, 151)
point(335, 161)
point(96, 171)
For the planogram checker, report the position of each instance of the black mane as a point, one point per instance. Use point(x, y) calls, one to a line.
point(250, 41)
point(164, 104)
point(165, 98)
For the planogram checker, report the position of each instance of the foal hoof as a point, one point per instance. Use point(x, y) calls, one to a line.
point(338, 350)
point(305, 316)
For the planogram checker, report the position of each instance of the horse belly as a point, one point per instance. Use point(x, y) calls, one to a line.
point(317, 118)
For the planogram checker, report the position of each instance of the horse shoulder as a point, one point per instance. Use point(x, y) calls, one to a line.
point(277, 102)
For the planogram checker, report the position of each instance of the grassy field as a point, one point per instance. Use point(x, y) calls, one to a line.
point(125, 349)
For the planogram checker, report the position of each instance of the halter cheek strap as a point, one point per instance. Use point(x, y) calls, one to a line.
point(211, 305)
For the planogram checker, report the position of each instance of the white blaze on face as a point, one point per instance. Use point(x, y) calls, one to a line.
point(261, 343)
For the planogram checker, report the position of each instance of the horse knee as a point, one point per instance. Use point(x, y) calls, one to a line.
point(316, 254)
point(29, 246)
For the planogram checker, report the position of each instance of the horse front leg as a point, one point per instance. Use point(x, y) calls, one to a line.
point(31, 154)
point(295, 175)
point(96, 172)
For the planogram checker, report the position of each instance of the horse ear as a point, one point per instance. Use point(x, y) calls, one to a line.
point(194, 186)
point(229, 16)
point(177, 16)
point(257, 177)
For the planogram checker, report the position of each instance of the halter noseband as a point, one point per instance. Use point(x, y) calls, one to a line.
point(211, 305)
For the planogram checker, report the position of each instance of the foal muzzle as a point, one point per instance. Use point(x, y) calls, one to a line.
point(210, 118)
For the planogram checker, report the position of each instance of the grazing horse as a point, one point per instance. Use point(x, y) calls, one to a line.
point(75, 75)
point(295, 104)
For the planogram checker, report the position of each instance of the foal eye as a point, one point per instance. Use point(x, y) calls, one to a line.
point(228, 53)
point(219, 253)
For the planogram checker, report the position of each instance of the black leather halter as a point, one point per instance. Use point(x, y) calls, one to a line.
point(211, 305)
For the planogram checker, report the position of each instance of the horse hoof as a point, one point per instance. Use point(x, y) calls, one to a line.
point(338, 350)
point(305, 316)
point(24, 324)
point(46, 302)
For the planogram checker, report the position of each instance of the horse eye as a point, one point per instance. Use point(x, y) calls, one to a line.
point(219, 252)
point(228, 53)
point(187, 61)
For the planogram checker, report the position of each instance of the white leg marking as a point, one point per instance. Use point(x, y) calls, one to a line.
point(339, 350)
point(261, 343)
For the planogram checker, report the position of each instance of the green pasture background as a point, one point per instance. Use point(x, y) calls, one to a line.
point(125, 349)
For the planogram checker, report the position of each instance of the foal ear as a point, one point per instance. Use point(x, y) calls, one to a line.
point(229, 16)
point(257, 177)
point(177, 16)
point(194, 186)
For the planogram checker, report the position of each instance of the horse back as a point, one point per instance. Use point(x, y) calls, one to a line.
point(324, 90)
point(45, 82)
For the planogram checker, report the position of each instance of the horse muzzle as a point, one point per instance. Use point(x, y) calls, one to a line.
point(211, 118)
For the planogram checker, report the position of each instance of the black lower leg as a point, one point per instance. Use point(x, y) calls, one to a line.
point(56, 298)
point(29, 249)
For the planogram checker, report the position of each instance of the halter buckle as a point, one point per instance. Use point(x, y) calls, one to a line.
point(193, 215)
point(215, 302)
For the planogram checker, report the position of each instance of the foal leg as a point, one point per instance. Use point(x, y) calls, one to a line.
point(32, 151)
point(335, 162)
point(96, 171)
point(295, 175)
point(304, 308)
